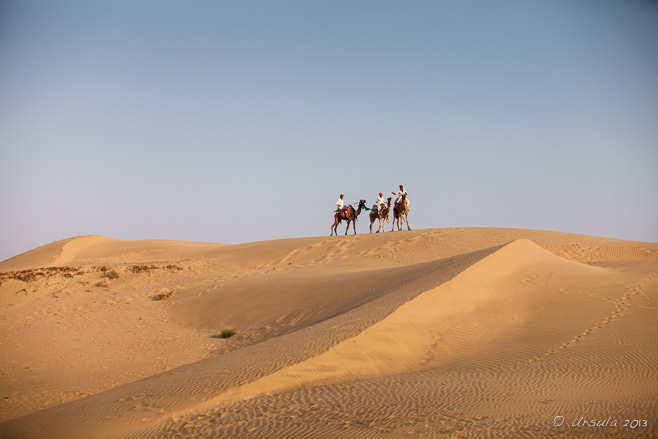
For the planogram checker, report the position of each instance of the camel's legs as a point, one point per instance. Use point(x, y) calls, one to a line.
point(347, 229)
point(396, 220)
point(334, 228)
point(408, 225)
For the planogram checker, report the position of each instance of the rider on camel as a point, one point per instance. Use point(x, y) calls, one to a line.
point(340, 204)
point(380, 203)
point(400, 193)
point(341, 209)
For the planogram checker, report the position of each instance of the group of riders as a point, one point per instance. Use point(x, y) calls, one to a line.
point(379, 204)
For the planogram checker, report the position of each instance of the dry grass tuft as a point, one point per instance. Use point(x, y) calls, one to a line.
point(164, 294)
point(112, 274)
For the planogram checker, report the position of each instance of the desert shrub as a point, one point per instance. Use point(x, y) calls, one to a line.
point(140, 268)
point(112, 274)
point(164, 294)
point(228, 333)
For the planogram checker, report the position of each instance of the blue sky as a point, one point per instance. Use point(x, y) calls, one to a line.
point(237, 121)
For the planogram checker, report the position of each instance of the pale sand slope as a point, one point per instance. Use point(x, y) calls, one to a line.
point(430, 333)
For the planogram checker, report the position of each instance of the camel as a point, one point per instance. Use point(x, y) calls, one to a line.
point(351, 216)
point(383, 216)
point(400, 213)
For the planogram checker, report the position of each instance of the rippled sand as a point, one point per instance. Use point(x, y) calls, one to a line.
point(464, 333)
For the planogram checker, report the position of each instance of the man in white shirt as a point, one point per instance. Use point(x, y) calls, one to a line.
point(380, 203)
point(399, 194)
point(340, 203)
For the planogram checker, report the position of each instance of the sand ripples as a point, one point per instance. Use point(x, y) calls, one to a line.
point(442, 333)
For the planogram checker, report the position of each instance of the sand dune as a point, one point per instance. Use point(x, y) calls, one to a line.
point(101, 250)
point(430, 333)
point(415, 335)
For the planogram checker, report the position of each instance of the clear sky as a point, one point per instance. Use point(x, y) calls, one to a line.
point(237, 121)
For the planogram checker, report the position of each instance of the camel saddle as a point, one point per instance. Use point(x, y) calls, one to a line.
point(344, 213)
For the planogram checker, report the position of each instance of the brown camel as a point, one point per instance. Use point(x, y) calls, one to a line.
point(401, 213)
point(383, 216)
point(349, 216)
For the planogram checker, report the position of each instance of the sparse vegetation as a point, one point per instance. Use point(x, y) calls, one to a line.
point(140, 268)
point(103, 284)
point(35, 273)
point(164, 294)
point(228, 333)
point(112, 274)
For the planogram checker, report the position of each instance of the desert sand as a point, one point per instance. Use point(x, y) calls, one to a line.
point(437, 333)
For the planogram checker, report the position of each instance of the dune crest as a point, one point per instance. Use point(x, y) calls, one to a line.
point(413, 336)
point(74, 246)
point(100, 250)
point(428, 333)
point(53, 254)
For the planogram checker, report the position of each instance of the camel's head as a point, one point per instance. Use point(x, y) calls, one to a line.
point(362, 203)
point(389, 200)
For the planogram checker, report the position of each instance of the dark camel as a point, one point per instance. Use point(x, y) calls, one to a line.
point(350, 216)
point(383, 216)
point(401, 213)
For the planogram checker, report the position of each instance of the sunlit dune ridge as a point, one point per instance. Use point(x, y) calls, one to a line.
point(464, 332)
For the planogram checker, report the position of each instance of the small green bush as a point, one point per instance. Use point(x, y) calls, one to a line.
point(228, 333)
point(112, 274)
